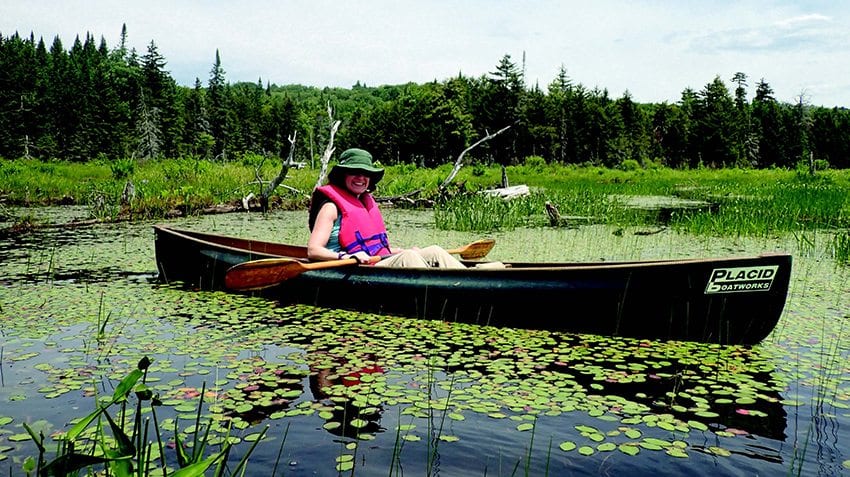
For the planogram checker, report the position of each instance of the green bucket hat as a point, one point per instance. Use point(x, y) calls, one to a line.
point(356, 160)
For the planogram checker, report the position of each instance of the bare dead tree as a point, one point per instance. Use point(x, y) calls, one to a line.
point(284, 169)
point(459, 161)
point(270, 186)
point(289, 163)
point(329, 149)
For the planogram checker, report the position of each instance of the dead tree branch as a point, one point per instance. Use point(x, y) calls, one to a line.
point(284, 169)
point(266, 192)
point(459, 162)
point(329, 150)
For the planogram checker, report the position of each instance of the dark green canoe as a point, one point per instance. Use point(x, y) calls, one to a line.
point(733, 300)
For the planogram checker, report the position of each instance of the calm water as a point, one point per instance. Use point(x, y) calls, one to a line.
point(79, 307)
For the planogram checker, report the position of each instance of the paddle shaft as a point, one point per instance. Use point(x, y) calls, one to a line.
point(268, 272)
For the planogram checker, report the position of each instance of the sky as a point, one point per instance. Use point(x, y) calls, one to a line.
point(651, 49)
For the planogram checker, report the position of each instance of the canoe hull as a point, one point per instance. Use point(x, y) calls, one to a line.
point(735, 300)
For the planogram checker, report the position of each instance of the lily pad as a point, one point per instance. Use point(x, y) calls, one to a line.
point(586, 450)
point(567, 446)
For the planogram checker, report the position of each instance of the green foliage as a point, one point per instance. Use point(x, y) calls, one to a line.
point(253, 160)
point(745, 202)
point(630, 165)
point(479, 212)
point(535, 163)
point(122, 169)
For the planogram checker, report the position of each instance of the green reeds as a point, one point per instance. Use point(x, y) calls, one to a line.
point(479, 212)
point(737, 203)
point(841, 247)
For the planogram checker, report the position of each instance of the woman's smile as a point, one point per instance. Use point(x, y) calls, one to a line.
point(357, 183)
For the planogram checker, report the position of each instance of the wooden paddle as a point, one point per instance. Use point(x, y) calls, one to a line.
point(268, 272)
point(477, 249)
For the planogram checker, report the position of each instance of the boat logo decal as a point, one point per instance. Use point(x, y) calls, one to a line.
point(741, 279)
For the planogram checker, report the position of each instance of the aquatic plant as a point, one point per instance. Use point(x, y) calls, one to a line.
point(479, 212)
point(85, 448)
point(841, 247)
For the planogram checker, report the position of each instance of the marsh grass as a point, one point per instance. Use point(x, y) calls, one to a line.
point(102, 320)
point(744, 202)
point(841, 247)
point(481, 213)
point(748, 202)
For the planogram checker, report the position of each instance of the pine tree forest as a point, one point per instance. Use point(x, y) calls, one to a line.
point(95, 101)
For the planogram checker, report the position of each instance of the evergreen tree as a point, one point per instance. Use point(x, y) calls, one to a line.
point(160, 94)
point(746, 143)
point(830, 136)
point(91, 101)
point(17, 94)
point(496, 105)
point(558, 117)
point(217, 95)
point(634, 139)
point(537, 136)
point(714, 118)
point(148, 131)
point(770, 127)
point(670, 135)
point(196, 139)
point(689, 105)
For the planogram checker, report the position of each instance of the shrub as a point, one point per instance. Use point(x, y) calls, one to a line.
point(122, 168)
point(536, 163)
point(629, 165)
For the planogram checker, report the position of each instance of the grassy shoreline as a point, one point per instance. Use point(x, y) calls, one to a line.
point(744, 201)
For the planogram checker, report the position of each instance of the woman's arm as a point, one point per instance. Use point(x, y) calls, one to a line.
point(317, 245)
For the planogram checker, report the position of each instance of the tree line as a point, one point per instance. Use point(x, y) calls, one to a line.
point(91, 101)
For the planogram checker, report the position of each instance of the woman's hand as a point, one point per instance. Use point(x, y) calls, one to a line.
point(361, 257)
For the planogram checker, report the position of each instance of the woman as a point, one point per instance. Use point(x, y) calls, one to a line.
point(345, 221)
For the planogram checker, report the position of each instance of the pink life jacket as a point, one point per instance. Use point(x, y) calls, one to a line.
point(362, 226)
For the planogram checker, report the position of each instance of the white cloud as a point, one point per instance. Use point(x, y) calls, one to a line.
point(803, 19)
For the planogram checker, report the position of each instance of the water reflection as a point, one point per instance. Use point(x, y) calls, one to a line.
point(342, 387)
point(435, 369)
point(730, 390)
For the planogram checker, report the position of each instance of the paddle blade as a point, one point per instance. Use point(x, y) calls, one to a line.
point(263, 273)
point(474, 250)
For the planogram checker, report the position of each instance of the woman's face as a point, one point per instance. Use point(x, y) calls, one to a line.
point(357, 182)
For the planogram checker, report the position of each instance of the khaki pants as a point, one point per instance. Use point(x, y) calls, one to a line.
point(432, 256)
